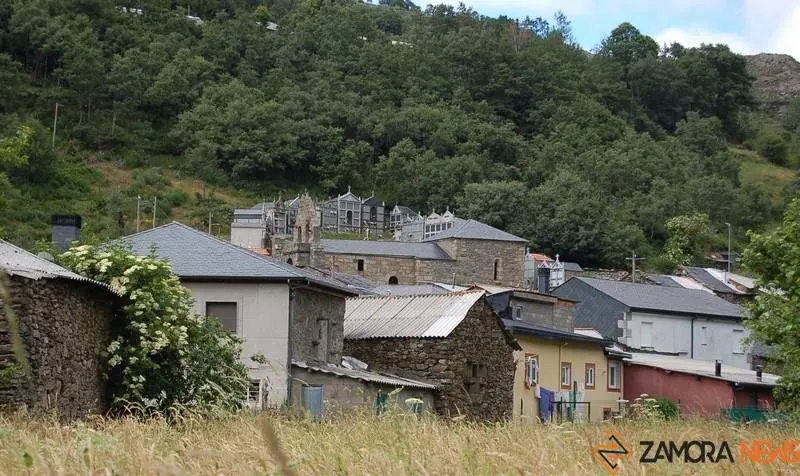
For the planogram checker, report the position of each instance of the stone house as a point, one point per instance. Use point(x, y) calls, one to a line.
point(470, 252)
point(564, 376)
point(282, 312)
point(530, 306)
point(670, 320)
point(65, 322)
point(454, 340)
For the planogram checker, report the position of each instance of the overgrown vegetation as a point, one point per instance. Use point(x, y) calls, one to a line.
point(359, 444)
point(162, 356)
point(431, 108)
point(774, 315)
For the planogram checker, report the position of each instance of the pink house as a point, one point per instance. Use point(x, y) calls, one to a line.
point(700, 387)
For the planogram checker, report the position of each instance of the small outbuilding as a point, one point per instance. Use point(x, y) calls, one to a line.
point(64, 322)
point(453, 340)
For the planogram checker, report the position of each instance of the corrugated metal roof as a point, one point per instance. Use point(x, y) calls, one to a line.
point(407, 316)
point(702, 368)
point(385, 248)
point(363, 375)
point(17, 262)
point(475, 230)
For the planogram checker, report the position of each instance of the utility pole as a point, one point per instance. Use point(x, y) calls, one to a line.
point(728, 267)
point(155, 207)
point(633, 259)
point(55, 124)
point(138, 202)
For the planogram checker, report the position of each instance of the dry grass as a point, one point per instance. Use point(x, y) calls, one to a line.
point(359, 444)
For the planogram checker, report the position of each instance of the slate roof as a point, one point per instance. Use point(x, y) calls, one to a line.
point(475, 230)
point(708, 280)
point(530, 329)
point(363, 375)
point(385, 248)
point(194, 254)
point(15, 261)
point(648, 297)
point(434, 315)
point(572, 267)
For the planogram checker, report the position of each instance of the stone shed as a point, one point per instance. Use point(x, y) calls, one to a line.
point(454, 340)
point(65, 322)
point(341, 388)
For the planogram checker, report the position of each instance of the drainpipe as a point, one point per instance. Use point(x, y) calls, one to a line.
point(289, 350)
point(691, 341)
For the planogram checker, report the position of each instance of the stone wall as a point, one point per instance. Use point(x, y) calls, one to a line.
point(478, 341)
point(318, 325)
point(379, 269)
point(65, 325)
point(475, 261)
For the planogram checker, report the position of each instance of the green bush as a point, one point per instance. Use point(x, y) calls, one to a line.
point(177, 198)
point(774, 147)
point(162, 356)
point(668, 408)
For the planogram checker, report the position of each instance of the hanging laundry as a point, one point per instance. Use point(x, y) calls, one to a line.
point(545, 404)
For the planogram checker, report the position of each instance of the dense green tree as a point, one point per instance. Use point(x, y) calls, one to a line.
point(774, 316)
point(689, 236)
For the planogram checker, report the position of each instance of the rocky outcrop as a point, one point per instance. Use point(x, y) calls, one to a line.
point(777, 80)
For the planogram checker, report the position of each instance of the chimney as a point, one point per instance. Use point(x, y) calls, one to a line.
point(717, 368)
point(758, 374)
point(66, 229)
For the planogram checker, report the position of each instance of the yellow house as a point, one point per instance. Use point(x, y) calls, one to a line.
point(564, 376)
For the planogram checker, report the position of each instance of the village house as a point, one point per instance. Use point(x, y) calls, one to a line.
point(543, 273)
point(350, 213)
point(530, 306)
point(700, 387)
point(465, 254)
point(670, 320)
point(454, 340)
point(563, 376)
point(65, 323)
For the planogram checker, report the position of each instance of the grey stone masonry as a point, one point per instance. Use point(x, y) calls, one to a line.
point(65, 325)
point(317, 326)
point(474, 365)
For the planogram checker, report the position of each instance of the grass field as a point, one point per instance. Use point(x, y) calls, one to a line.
point(359, 444)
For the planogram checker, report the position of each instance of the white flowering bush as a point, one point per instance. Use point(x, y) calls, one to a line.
point(162, 356)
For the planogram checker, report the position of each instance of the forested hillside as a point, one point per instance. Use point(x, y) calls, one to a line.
point(510, 122)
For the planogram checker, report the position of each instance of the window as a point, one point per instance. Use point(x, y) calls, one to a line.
point(475, 381)
point(349, 217)
point(289, 261)
point(360, 265)
point(704, 335)
point(608, 413)
point(518, 313)
point(738, 335)
point(614, 377)
point(496, 269)
point(647, 335)
point(531, 370)
point(393, 280)
point(224, 312)
point(373, 214)
point(566, 375)
point(255, 394)
point(590, 372)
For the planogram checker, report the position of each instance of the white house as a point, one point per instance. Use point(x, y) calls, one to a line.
point(282, 312)
point(669, 320)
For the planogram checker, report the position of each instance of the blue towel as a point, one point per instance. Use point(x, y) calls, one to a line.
point(545, 403)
